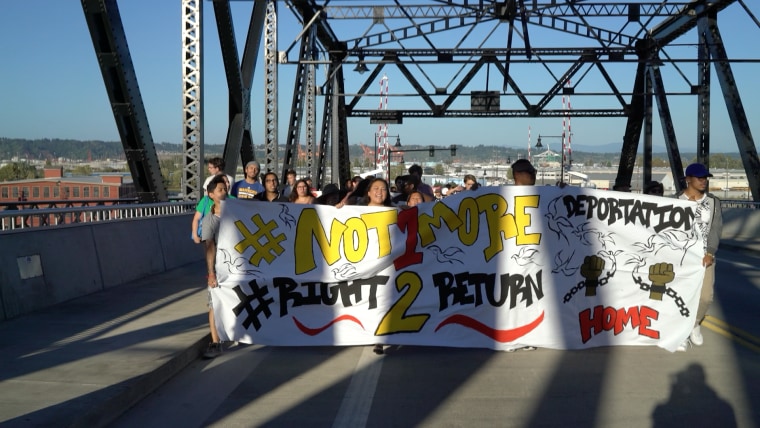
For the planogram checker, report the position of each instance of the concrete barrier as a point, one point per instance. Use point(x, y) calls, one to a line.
point(42, 267)
point(741, 225)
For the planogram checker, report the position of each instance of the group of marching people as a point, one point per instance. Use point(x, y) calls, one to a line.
point(410, 190)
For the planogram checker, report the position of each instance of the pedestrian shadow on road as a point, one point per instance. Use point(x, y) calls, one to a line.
point(693, 403)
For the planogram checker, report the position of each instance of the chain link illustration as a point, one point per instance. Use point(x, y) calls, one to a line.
point(670, 292)
point(582, 284)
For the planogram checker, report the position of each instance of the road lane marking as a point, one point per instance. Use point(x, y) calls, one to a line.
point(357, 402)
point(735, 263)
point(736, 334)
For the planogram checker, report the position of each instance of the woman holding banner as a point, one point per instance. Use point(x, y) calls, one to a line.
point(379, 196)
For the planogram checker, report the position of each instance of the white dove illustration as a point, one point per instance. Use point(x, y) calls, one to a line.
point(649, 247)
point(679, 240)
point(239, 265)
point(344, 272)
point(590, 236)
point(562, 264)
point(525, 256)
point(447, 255)
point(555, 222)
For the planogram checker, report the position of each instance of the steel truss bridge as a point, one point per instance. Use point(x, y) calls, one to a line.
point(590, 41)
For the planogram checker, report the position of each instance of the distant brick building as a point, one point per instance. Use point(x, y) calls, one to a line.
point(55, 187)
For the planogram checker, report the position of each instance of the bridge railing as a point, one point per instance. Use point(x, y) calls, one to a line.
point(12, 219)
point(50, 217)
point(728, 203)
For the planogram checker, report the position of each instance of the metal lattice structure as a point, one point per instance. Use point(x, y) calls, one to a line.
point(591, 44)
point(270, 86)
point(311, 108)
point(644, 33)
point(303, 97)
point(192, 95)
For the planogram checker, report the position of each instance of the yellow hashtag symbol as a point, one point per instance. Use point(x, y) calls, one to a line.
point(267, 250)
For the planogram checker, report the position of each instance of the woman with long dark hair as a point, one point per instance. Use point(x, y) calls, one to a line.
point(301, 193)
point(378, 194)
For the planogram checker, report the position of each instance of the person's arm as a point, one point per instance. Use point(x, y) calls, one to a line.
point(211, 262)
point(209, 236)
point(343, 202)
point(713, 236)
point(200, 210)
point(194, 231)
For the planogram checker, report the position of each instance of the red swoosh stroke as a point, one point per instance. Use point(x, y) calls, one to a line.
point(316, 331)
point(497, 335)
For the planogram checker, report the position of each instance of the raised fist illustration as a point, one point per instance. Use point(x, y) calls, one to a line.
point(591, 269)
point(660, 274)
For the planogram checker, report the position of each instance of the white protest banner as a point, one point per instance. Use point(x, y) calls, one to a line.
point(499, 267)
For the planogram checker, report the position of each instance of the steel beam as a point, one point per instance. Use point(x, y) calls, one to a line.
point(680, 23)
point(192, 99)
point(734, 105)
point(623, 112)
point(440, 18)
point(636, 113)
point(304, 77)
point(340, 171)
point(110, 43)
point(270, 86)
point(549, 7)
point(668, 130)
point(703, 95)
point(247, 71)
point(317, 154)
point(311, 108)
point(648, 131)
point(239, 142)
point(334, 132)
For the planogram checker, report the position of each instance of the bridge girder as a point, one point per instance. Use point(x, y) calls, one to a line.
point(638, 39)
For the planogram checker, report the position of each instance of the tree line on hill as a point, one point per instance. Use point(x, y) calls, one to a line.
point(170, 156)
point(47, 149)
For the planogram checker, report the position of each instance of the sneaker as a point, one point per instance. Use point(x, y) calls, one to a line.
point(213, 351)
point(696, 336)
point(378, 350)
point(528, 348)
point(683, 346)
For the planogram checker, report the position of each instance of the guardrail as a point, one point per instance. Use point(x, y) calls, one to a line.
point(45, 217)
point(63, 203)
point(728, 203)
point(51, 217)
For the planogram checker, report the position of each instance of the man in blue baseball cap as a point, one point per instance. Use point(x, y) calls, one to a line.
point(708, 219)
point(697, 170)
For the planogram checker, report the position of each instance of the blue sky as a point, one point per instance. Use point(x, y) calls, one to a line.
point(51, 87)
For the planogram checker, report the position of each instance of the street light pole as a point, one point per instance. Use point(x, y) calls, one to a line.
point(390, 153)
point(562, 157)
point(725, 190)
point(374, 154)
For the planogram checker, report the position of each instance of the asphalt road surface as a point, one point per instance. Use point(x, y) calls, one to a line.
point(715, 385)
